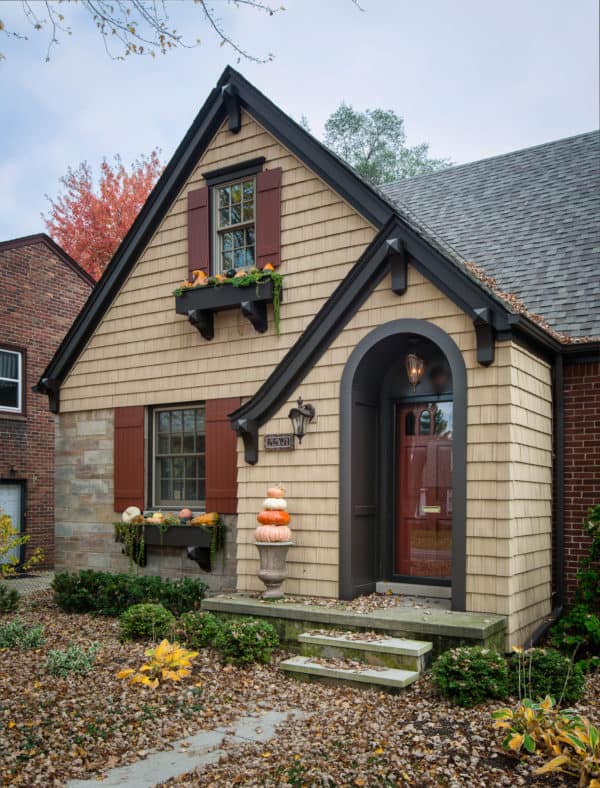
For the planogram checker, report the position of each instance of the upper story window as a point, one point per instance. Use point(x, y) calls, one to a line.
point(179, 456)
point(11, 381)
point(235, 236)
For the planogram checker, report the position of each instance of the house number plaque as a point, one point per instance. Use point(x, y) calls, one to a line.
point(283, 442)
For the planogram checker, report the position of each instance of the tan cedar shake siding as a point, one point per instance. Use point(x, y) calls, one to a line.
point(508, 468)
point(142, 353)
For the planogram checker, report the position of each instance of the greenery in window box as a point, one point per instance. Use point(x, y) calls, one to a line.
point(131, 535)
point(240, 278)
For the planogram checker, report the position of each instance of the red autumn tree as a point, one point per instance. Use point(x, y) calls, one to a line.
point(90, 223)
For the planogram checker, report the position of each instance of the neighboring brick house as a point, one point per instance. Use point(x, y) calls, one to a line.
point(42, 291)
point(479, 282)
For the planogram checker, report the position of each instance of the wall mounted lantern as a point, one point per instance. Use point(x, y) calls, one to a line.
point(415, 367)
point(300, 418)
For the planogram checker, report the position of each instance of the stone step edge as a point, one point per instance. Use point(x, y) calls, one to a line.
point(386, 677)
point(391, 645)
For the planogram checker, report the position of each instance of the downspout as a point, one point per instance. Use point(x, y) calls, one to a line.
point(558, 390)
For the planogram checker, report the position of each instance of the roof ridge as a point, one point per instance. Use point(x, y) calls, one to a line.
point(455, 167)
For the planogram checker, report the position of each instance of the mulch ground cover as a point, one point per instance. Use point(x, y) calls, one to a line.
point(54, 729)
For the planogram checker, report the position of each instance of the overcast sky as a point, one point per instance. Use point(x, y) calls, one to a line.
point(474, 78)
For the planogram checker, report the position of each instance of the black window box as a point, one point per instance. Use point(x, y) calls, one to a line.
point(177, 536)
point(200, 304)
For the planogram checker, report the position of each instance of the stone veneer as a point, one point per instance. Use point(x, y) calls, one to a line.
point(84, 509)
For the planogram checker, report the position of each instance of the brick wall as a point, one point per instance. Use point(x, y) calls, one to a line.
point(582, 460)
point(41, 296)
point(84, 509)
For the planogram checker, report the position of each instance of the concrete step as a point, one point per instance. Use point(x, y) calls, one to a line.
point(390, 679)
point(387, 651)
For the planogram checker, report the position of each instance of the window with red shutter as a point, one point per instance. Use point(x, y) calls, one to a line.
point(221, 456)
point(199, 230)
point(129, 457)
point(268, 218)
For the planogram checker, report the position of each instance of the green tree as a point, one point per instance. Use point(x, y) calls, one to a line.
point(374, 143)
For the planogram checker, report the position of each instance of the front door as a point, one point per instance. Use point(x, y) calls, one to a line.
point(423, 534)
point(11, 503)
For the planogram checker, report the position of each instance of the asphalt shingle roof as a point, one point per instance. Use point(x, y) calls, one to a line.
point(530, 219)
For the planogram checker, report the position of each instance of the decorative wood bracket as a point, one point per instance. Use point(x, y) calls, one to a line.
point(248, 432)
point(256, 312)
point(398, 265)
point(51, 387)
point(484, 332)
point(204, 321)
point(232, 105)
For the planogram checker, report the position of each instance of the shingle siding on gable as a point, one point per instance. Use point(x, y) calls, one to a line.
point(530, 219)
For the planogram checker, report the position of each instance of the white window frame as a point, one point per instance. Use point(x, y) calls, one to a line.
point(217, 232)
point(18, 380)
point(155, 496)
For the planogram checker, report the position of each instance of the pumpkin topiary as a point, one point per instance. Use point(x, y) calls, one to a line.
point(273, 533)
point(276, 491)
point(273, 517)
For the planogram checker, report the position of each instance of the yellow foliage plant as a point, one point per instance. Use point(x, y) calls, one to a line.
point(571, 742)
point(167, 662)
point(9, 540)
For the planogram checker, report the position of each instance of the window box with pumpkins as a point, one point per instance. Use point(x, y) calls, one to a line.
point(249, 290)
point(203, 535)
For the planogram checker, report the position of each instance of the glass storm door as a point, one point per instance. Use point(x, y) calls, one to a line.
point(11, 504)
point(423, 544)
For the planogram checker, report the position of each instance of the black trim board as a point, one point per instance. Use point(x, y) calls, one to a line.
point(234, 171)
point(459, 449)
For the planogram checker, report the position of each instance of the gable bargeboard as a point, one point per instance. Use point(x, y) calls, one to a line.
point(142, 353)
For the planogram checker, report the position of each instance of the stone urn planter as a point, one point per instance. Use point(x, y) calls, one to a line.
point(273, 567)
point(273, 538)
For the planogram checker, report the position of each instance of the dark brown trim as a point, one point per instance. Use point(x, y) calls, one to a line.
point(32, 240)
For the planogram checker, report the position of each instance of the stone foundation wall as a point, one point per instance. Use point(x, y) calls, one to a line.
point(84, 536)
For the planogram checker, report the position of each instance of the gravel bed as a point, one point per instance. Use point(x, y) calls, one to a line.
point(54, 729)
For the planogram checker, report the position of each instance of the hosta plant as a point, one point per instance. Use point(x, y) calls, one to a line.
point(166, 662)
point(571, 742)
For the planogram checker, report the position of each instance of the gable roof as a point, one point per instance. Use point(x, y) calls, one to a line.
point(58, 251)
point(423, 247)
point(530, 219)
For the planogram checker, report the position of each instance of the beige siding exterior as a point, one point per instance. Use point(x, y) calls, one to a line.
point(142, 353)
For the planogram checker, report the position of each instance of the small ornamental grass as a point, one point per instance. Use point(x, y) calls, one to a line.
point(146, 621)
point(74, 659)
point(167, 662)
point(199, 630)
point(17, 635)
point(470, 675)
point(243, 642)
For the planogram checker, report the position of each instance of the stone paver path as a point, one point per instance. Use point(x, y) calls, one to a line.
point(202, 749)
point(39, 581)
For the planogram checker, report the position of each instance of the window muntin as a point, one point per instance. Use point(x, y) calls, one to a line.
point(11, 381)
point(179, 456)
point(234, 214)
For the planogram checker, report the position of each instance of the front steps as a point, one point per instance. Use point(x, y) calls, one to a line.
point(377, 661)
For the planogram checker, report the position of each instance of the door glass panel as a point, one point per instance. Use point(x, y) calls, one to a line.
point(10, 504)
point(424, 494)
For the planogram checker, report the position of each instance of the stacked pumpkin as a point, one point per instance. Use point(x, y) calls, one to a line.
point(274, 518)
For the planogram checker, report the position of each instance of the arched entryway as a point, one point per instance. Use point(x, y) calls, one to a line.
point(403, 462)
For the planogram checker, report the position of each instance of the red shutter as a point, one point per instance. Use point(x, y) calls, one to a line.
point(199, 230)
point(221, 456)
point(268, 217)
point(129, 458)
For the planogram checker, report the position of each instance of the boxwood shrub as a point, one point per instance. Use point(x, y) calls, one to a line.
point(198, 630)
point(469, 675)
point(538, 672)
point(146, 621)
point(246, 641)
point(108, 594)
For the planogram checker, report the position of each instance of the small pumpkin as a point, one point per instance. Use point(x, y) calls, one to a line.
point(269, 517)
point(130, 513)
point(275, 491)
point(275, 504)
point(273, 533)
point(185, 514)
point(240, 273)
point(185, 284)
point(268, 267)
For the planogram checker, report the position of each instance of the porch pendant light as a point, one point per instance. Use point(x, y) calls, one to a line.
point(300, 418)
point(415, 367)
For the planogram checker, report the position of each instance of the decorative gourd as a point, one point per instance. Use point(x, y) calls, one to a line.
point(199, 277)
point(209, 518)
point(276, 491)
point(240, 273)
point(185, 284)
point(130, 513)
point(273, 533)
point(157, 518)
point(269, 517)
point(268, 267)
point(278, 504)
point(186, 514)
